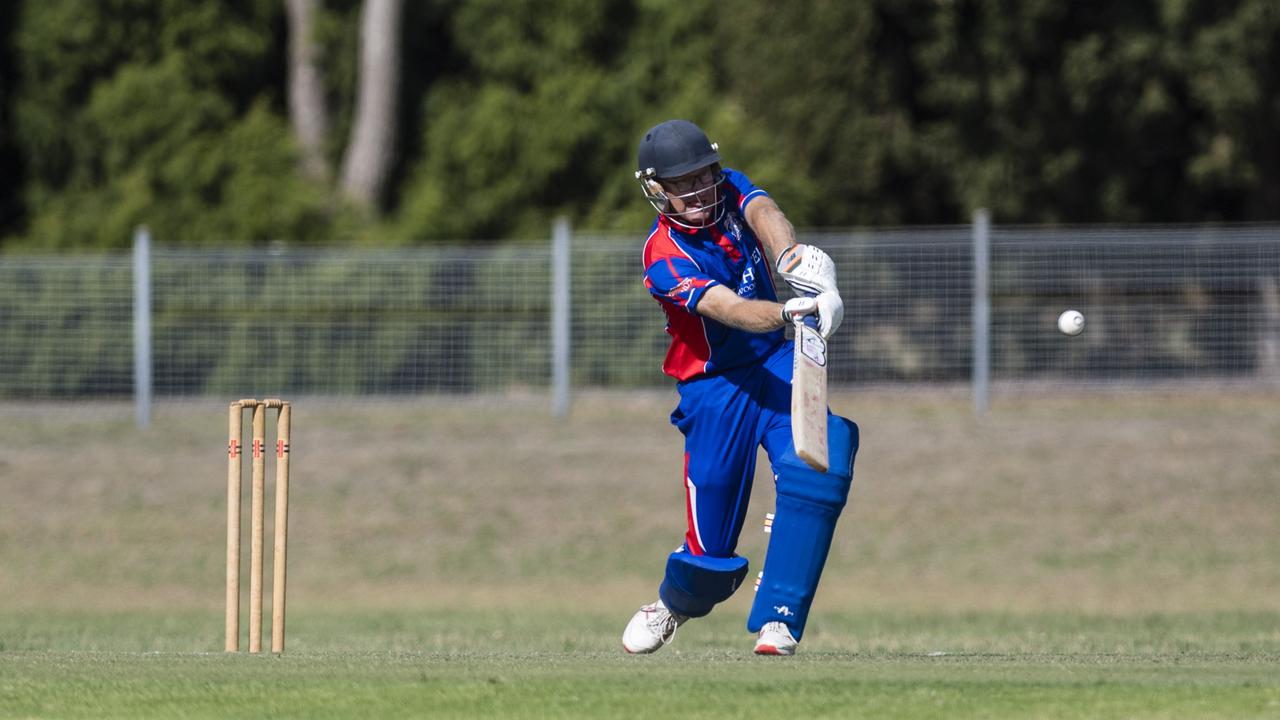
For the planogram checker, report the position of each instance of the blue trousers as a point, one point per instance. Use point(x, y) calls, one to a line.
point(725, 418)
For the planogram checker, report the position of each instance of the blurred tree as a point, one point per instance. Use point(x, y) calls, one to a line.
point(544, 114)
point(1086, 112)
point(504, 134)
point(427, 56)
point(368, 161)
point(828, 89)
point(307, 112)
point(11, 176)
point(224, 120)
point(134, 111)
point(1233, 79)
point(188, 166)
point(1052, 112)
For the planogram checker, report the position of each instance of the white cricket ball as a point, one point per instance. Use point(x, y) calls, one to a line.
point(1071, 322)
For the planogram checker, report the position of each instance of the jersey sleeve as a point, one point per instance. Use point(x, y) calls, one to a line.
point(678, 281)
point(747, 192)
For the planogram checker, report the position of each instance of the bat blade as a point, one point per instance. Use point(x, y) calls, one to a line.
point(809, 397)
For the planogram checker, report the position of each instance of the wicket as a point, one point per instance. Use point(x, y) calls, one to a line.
point(258, 511)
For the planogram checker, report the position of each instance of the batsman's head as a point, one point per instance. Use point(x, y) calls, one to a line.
point(679, 171)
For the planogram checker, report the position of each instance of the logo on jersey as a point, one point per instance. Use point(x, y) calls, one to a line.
point(683, 288)
point(733, 225)
point(747, 285)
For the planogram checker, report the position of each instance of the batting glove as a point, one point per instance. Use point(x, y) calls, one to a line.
point(830, 313)
point(827, 306)
point(796, 308)
point(808, 269)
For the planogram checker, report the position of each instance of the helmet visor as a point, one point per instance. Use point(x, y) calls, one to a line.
point(695, 200)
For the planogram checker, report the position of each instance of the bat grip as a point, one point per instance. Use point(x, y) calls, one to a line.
point(812, 318)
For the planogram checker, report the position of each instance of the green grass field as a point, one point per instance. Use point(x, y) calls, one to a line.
point(1097, 556)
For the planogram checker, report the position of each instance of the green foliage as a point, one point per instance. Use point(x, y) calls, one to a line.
point(1232, 79)
point(195, 175)
point(155, 114)
point(172, 113)
point(827, 126)
point(1071, 112)
point(529, 129)
point(338, 30)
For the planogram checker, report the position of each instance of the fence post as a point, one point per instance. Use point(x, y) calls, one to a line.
point(142, 326)
point(1268, 356)
point(981, 310)
point(561, 237)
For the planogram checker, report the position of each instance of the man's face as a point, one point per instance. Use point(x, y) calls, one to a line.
point(693, 196)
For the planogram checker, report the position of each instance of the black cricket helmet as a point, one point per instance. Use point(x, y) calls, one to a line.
point(673, 149)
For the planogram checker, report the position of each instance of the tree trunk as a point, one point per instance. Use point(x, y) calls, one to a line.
point(306, 88)
point(370, 152)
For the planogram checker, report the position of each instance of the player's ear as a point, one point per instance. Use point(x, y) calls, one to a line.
point(655, 188)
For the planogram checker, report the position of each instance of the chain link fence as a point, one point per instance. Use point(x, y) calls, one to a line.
point(1161, 304)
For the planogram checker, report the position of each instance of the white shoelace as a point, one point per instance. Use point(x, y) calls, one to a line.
point(663, 623)
point(778, 627)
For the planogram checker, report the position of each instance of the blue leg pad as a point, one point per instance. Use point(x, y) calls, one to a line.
point(695, 583)
point(808, 504)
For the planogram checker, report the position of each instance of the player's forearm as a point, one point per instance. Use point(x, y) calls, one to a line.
point(757, 316)
point(724, 305)
point(771, 226)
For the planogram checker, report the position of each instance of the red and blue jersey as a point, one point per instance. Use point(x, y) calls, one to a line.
point(681, 264)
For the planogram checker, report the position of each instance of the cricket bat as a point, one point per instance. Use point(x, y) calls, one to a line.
point(809, 394)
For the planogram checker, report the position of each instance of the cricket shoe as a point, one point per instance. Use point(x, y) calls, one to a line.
point(650, 628)
point(775, 639)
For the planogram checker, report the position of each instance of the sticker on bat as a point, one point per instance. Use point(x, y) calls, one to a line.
point(813, 346)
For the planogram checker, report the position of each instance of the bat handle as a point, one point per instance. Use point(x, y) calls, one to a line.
point(812, 318)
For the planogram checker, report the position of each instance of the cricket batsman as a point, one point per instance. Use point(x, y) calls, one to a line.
point(706, 263)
